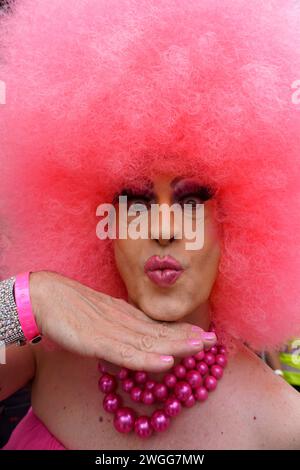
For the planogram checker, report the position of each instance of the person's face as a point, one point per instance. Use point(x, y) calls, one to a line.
point(168, 292)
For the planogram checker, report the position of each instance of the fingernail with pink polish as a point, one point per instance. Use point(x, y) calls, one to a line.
point(195, 342)
point(209, 336)
point(166, 358)
point(197, 328)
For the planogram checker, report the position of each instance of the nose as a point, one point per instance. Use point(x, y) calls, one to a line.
point(165, 225)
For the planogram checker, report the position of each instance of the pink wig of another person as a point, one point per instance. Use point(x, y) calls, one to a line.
point(103, 93)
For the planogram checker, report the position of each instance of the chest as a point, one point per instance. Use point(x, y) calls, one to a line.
point(230, 418)
point(215, 424)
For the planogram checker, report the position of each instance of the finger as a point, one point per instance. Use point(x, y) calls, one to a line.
point(149, 341)
point(145, 325)
point(165, 330)
point(126, 355)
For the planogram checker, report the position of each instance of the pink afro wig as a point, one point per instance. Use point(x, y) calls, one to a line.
point(102, 93)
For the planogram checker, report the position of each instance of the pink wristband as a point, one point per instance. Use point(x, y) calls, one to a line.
point(26, 317)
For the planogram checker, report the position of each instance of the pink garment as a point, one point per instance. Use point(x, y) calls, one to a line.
point(32, 434)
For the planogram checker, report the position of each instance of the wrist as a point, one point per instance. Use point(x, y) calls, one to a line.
point(36, 288)
point(24, 307)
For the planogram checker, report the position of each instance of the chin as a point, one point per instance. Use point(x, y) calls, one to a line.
point(164, 309)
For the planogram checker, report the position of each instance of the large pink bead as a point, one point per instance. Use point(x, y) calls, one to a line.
point(210, 383)
point(209, 358)
point(124, 420)
point(170, 380)
point(201, 394)
point(160, 421)
point(199, 356)
point(189, 362)
point(172, 406)
point(140, 377)
point(194, 378)
point(112, 402)
point(107, 383)
point(202, 367)
point(123, 373)
point(143, 427)
point(182, 391)
point(136, 394)
point(221, 360)
point(150, 384)
point(189, 402)
point(147, 397)
point(222, 350)
point(180, 371)
point(216, 371)
point(127, 385)
point(160, 391)
point(213, 350)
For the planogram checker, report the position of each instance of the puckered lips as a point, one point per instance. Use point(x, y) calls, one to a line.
point(163, 271)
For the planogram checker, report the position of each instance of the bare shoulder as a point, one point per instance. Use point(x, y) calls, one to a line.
point(275, 403)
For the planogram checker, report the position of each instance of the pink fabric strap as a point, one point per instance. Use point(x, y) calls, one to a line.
point(24, 308)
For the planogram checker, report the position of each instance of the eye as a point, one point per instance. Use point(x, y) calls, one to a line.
point(138, 200)
point(191, 200)
point(192, 193)
point(137, 204)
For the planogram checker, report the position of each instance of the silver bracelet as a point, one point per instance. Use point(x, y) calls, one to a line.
point(10, 327)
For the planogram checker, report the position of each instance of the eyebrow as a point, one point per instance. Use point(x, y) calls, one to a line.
point(185, 180)
point(191, 186)
point(138, 191)
point(176, 180)
point(179, 183)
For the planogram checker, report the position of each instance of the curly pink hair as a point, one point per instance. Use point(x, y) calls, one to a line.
point(101, 93)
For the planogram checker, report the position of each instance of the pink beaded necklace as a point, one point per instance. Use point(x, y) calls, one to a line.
point(188, 382)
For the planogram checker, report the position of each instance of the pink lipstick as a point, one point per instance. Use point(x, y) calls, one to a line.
point(163, 271)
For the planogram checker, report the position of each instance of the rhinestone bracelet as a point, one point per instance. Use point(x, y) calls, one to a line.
point(10, 327)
